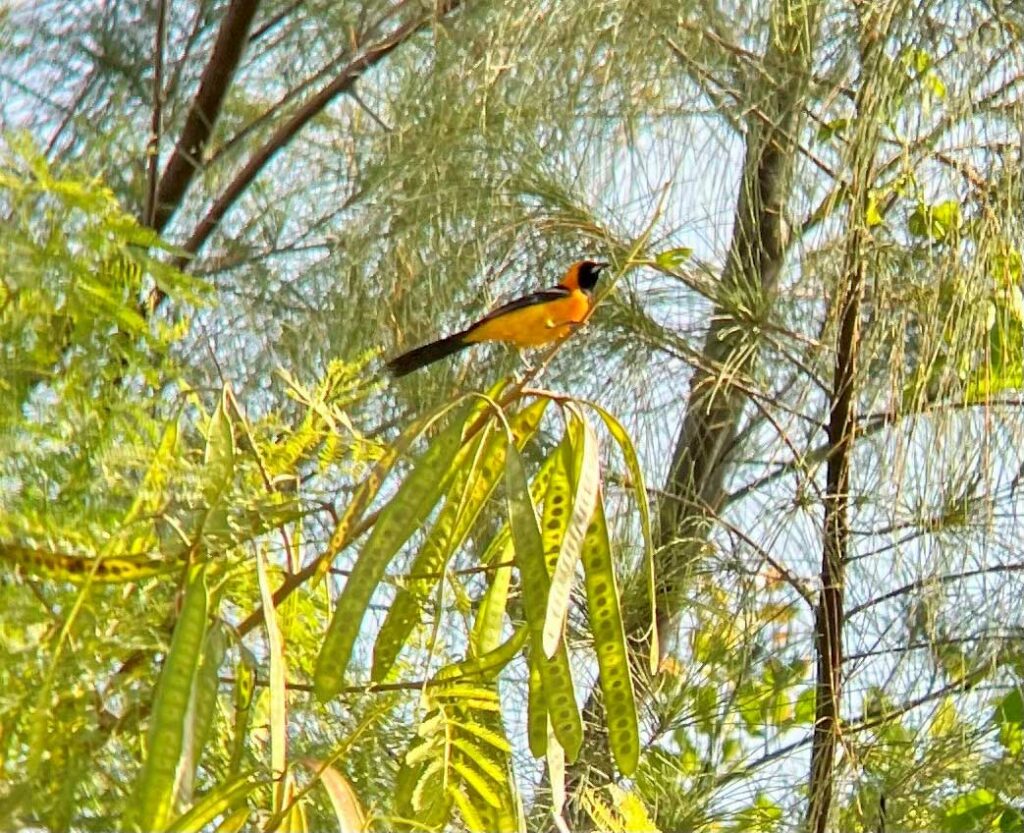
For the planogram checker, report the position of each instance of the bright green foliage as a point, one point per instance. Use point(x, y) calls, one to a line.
point(461, 759)
point(617, 811)
point(383, 172)
point(72, 265)
point(219, 801)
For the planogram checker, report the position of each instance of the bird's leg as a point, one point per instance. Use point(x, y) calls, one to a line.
point(527, 366)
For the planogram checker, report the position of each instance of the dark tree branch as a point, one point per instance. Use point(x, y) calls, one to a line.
point(213, 86)
point(842, 429)
point(348, 76)
point(757, 251)
point(342, 83)
point(153, 150)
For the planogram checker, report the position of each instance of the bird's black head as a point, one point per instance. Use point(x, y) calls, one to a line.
point(588, 271)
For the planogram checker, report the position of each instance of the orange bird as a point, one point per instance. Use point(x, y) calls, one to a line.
point(535, 319)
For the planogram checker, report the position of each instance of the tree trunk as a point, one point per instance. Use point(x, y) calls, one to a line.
point(693, 490)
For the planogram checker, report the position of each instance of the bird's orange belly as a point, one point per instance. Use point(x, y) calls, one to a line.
point(534, 326)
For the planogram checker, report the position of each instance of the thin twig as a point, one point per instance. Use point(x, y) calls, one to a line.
point(156, 125)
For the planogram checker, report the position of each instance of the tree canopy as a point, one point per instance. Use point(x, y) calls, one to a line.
point(740, 554)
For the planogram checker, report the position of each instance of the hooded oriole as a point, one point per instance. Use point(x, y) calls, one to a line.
point(535, 319)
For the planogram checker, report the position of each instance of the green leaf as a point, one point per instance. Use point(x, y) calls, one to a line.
point(413, 799)
point(968, 812)
point(347, 809)
point(278, 702)
point(805, 704)
point(155, 789)
point(872, 216)
point(491, 738)
point(398, 520)
point(470, 815)
point(1009, 717)
point(488, 665)
point(150, 495)
point(234, 821)
point(477, 781)
point(1011, 820)
point(586, 480)
point(829, 129)
point(672, 259)
point(223, 798)
point(219, 458)
point(944, 720)
point(938, 221)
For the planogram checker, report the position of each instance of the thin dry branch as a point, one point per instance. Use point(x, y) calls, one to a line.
point(842, 429)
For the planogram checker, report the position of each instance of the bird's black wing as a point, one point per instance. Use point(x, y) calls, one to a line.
point(541, 297)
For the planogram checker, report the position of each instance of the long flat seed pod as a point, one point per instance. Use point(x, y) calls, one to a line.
point(610, 644)
point(429, 563)
point(490, 616)
point(555, 672)
point(402, 516)
point(480, 471)
point(503, 538)
point(585, 467)
point(536, 712)
point(155, 789)
point(636, 475)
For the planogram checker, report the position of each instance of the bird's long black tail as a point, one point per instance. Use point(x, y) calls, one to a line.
point(427, 354)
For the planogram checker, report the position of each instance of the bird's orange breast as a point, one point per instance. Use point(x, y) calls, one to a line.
point(534, 325)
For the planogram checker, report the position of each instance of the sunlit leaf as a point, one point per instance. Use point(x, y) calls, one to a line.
point(278, 695)
point(671, 259)
point(224, 798)
point(347, 809)
point(968, 812)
